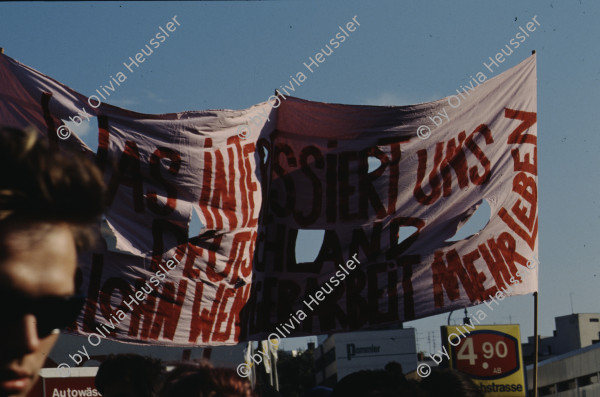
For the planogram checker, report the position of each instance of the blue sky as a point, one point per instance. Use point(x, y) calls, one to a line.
point(231, 55)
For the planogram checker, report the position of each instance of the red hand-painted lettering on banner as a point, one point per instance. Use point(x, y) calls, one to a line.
point(356, 304)
point(128, 173)
point(525, 165)
point(103, 140)
point(164, 229)
point(434, 179)
point(529, 238)
point(142, 313)
point(109, 287)
point(528, 119)
point(374, 293)
point(407, 263)
point(501, 263)
point(310, 157)
point(241, 297)
point(244, 172)
point(168, 310)
point(474, 176)
point(456, 160)
point(396, 155)
point(447, 276)
point(203, 202)
point(240, 255)
point(366, 188)
point(340, 187)
point(453, 158)
point(275, 203)
point(223, 193)
point(211, 264)
point(202, 319)
point(525, 186)
point(218, 335)
point(89, 316)
point(398, 249)
point(248, 186)
point(170, 189)
point(491, 254)
point(232, 173)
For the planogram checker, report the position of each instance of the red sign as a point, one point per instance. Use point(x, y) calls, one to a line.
point(486, 354)
point(70, 387)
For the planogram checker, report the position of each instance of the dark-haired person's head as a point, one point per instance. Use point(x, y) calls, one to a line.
point(129, 375)
point(375, 383)
point(266, 390)
point(48, 203)
point(319, 391)
point(449, 383)
point(394, 368)
point(203, 380)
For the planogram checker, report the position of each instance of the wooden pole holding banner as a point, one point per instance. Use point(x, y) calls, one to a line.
point(271, 381)
point(535, 346)
point(274, 367)
point(1, 50)
point(535, 333)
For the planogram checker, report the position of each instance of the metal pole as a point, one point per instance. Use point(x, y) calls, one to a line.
point(536, 347)
point(254, 368)
point(274, 369)
point(252, 364)
point(270, 359)
point(535, 332)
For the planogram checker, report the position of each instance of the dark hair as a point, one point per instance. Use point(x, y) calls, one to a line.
point(394, 367)
point(41, 185)
point(266, 390)
point(200, 379)
point(319, 391)
point(143, 374)
point(375, 383)
point(450, 383)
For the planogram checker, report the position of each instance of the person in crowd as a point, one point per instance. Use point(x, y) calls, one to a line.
point(200, 379)
point(49, 202)
point(375, 383)
point(449, 383)
point(394, 368)
point(129, 375)
point(266, 390)
point(319, 391)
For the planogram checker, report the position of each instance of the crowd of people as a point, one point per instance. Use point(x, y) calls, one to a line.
point(130, 375)
point(49, 204)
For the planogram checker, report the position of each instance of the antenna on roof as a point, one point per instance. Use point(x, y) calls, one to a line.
point(571, 297)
